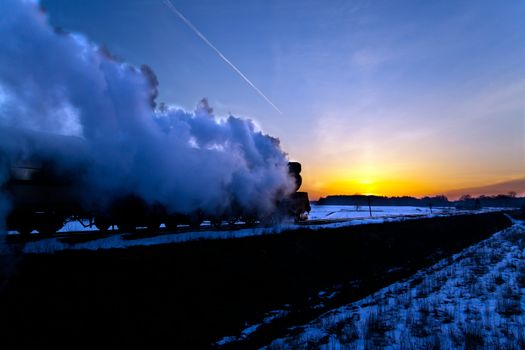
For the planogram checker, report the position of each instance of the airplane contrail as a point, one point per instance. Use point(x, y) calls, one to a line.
point(172, 7)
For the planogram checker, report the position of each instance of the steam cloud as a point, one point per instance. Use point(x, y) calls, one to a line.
point(66, 99)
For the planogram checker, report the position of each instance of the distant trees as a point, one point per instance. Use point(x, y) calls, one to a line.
point(509, 200)
point(360, 201)
point(468, 202)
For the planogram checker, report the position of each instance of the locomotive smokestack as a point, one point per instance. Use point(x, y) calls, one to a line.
point(294, 168)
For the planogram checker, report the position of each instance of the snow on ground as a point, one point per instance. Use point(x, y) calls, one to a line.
point(363, 212)
point(321, 217)
point(472, 300)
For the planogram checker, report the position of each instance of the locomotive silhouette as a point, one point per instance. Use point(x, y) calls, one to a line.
point(44, 199)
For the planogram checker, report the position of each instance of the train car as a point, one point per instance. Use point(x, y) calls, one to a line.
point(43, 199)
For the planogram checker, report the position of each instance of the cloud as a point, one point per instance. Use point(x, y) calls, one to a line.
point(516, 185)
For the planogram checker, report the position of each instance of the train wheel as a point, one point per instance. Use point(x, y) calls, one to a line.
point(171, 223)
point(271, 220)
point(216, 222)
point(152, 226)
point(24, 231)
point(49, 224)
point(48, 229)
point(195, 222)
point(301, 217)
point(102, 224)
point(126, 228)
point(249, 220)
point(195, 219)
point(102, 227)
point(172, 226)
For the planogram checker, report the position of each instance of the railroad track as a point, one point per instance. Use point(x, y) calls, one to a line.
point(73, 237)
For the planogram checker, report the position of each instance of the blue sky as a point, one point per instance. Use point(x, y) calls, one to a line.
point(381, 97)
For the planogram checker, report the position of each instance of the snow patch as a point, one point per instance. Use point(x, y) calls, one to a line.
point(473, 299)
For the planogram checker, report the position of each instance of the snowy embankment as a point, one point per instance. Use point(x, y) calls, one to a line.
point(474, 299)
point(321, 217)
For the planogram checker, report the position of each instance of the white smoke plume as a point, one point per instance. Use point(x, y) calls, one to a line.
point(65, 98)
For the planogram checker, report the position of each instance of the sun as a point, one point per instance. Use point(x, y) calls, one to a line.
point(366, 186)
point(365, 181)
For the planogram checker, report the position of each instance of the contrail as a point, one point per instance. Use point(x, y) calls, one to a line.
point(200, 35)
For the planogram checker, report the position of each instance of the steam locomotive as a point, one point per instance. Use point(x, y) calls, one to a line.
point(43, 199)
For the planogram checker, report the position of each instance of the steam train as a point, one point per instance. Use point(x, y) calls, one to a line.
point(43, 200)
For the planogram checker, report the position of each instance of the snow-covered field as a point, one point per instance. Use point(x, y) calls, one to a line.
point(321, 212)
point(321, 217)
point(472, 300)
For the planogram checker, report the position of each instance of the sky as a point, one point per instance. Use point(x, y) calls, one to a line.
point(377, 97)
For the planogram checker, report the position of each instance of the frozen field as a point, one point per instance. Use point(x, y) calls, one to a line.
point(473, 300)
point(321, 216)
point(328, 212)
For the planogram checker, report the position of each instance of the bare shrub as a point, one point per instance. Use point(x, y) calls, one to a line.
point(515, 237)
point(508, 307)
point(278, 346)
point(407, 342)
point(434, 343)
point(491, 285)
point(495, 256)
point(521, 339)
point(375, 326)
point(473, 338)
point(444, 315)
point(509, 293)
point(416, 281)
point(346, 332)
point(424, 289)
point(521, 244)
point(329, 320)
point(420, 328)
point(480, 269)
point(478, 288)
point(520, 276)
point(455, 336)
point(511, 265)
point(406, 299)
point(499, 280)
point(424, 309)
point(308, 342)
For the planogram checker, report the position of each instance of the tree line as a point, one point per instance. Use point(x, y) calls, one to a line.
point(510, 200)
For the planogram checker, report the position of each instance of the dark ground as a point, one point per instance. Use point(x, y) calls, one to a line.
point(192, 294)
